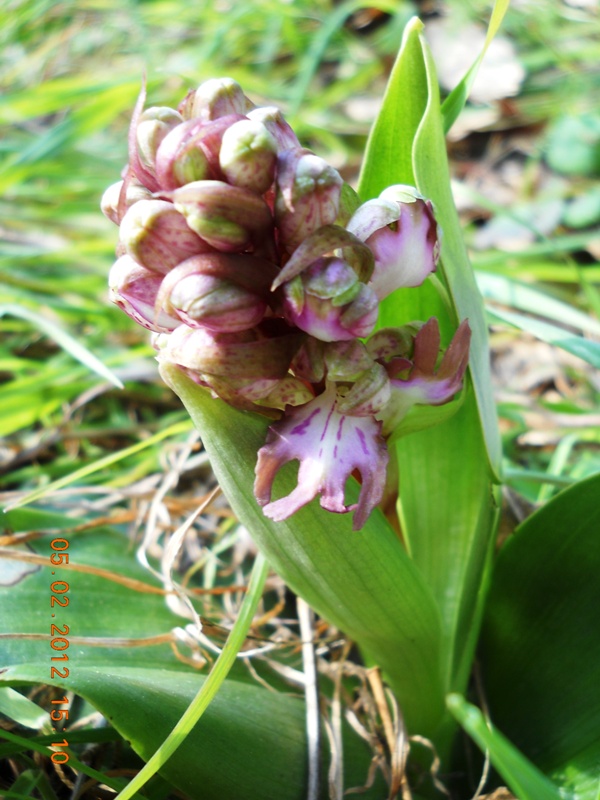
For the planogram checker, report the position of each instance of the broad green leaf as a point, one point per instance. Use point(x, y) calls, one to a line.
point(421, 417)
point(455, 102)
point(447, 506)
point(540, 644)
point(432, 174)
point(448, 513)
point(97, 607)
point(363, 582)
point(388, 154)
point(250, 743)
point(525, 780)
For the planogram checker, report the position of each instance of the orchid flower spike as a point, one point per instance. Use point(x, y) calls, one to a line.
point(260, 274)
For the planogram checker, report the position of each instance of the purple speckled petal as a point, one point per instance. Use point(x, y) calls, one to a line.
point(329, 446)
point(372, 216)
point(405, 252)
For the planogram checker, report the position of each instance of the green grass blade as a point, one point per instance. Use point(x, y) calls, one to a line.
point(318, 45)
point(101, 463)
point(525, 780)
point(510, 292)
point(586, 349)
point(64, 340)
point(22, 710)
point(80, 766)
point(455, 102)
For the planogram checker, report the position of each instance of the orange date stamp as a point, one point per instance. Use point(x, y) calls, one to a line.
point(59, 644)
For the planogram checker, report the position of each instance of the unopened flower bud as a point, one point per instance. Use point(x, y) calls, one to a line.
point(309, 361)
point(273, 120)
point(348, 204)
point(265, 395)
point(363, 385)
point(249, 155)
point(190, 152)
point(346, 361)
point(155, 234)
point(153, 125)
point(134, 289)
point(326, 241)
point(308, 192)
point(229, 218)
point(136, 168)
point(389, 344)
point(112, 199)
point(218, 97)
point(201, 299)
point(237, 356)
point(180, 158)
point(401, 231)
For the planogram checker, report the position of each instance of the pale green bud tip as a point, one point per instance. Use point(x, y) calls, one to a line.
point(272, 118)
point(248, 155)
point(112, 196)
point(227, 217)
point(401, 193)
point(218, 97)
point(192, 165)
point(157, 236)
point(216, 304)
point(153, 126)
point(313, 174)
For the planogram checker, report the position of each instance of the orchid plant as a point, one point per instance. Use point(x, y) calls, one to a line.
point(302, 321)
point(331, 347)
point(261, 273)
